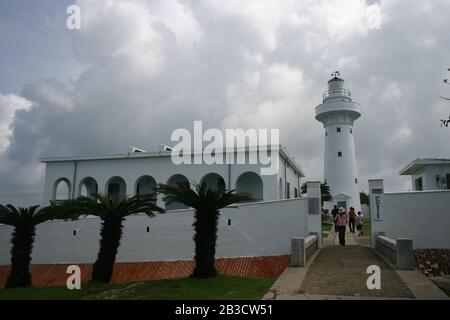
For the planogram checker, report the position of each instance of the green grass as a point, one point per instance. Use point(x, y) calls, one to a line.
point(220, 287)
point(366, 228)
point(326, 226)
point(447, 292)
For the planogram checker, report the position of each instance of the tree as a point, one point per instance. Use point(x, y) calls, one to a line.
point(324, 190)
point(207, 203)
point(364, 198)
point(24, 221)
point(112, 210)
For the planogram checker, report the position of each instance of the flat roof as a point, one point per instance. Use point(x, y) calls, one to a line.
point(157, 154)
point(417, 164)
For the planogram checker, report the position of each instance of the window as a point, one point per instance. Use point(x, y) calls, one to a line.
point(326, 134)
point(340, 154)
point(288, 191)
point(447, 178)
point(338, 129)
point(351, 130)
point(418, 184)
point(356, 180)
point(295, 193)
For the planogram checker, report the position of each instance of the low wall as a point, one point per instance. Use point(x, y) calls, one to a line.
point(257, 229)
point(398, 251)
point(303, 248)
point(423, 217)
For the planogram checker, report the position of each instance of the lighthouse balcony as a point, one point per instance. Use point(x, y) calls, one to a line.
point(337, 93)
point(333, 107)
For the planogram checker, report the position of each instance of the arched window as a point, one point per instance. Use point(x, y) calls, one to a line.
point(281, 189)
point(145, 185)
point(88, 188)
point(180, 181)
point(213, 181)
point(116, 187)
point(251, 183)
point(62, 189)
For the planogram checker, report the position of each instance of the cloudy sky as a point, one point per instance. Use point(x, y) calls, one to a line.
point(137, 70)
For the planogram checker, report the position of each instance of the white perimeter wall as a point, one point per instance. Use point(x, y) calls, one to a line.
point(421, 216)
point(259, 229)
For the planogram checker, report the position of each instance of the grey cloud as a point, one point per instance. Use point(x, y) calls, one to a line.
point(138, 83)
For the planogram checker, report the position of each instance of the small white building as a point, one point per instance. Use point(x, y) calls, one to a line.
point(138, 172)
point(428, 174)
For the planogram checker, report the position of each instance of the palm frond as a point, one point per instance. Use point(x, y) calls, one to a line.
point(105, 206)
point(203, 197)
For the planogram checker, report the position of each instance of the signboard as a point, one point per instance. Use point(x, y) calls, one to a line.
point(377, 200)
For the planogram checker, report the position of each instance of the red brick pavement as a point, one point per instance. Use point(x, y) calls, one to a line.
point(47, 275)
point(433, 262)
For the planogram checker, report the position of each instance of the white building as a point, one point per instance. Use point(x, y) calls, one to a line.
point(337, 114)
point(139, 172)
point(428, 174)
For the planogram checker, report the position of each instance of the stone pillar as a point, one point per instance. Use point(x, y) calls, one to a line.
point(314, 211)
point(298, 252)
point(405, 254)
point(376, 191)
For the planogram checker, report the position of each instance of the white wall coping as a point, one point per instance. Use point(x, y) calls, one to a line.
point(387, 241)
point(310, 240)
point(180, 211)
point(417, 192)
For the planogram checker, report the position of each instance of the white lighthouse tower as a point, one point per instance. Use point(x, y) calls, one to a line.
point(337, 114)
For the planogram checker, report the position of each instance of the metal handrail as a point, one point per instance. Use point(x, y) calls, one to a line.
point(337, 93)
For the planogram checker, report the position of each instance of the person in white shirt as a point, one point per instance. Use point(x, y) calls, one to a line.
point(359, 223)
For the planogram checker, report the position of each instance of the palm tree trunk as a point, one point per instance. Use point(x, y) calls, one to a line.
point(205, 239)
point(110, 235)
point(22, 246)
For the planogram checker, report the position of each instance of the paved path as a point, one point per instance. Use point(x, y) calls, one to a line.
point(341, 271)
point(338, 272)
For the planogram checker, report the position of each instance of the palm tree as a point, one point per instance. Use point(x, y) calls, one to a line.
point(207, 203)
point(24, 221)
point(112, 210)
point(324, 190)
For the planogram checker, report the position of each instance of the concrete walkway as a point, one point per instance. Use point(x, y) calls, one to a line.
point(339, 272)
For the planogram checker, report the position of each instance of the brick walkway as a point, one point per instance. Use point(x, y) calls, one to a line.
point(47, 275)
point(341, 271)
point(338, 272)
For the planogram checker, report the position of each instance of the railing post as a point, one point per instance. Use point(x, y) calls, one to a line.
point(405, 254)
point(298, 252)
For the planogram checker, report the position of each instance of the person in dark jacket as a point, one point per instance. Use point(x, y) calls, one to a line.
point(334, 212)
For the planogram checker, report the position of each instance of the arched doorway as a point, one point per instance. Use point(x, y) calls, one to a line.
point(180, 181)
point(62, 190)
point(251, 183)
point(145, 185)
point(88, 188)
point(116, 187)
point(214, 181)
